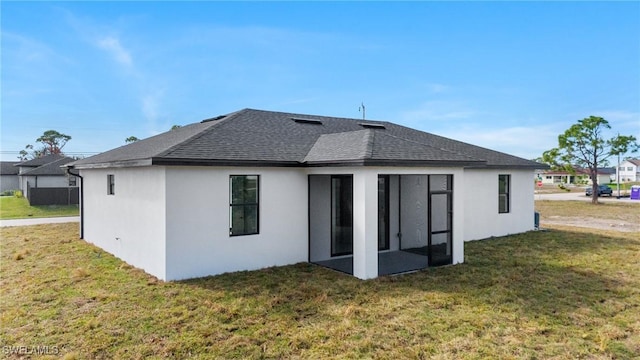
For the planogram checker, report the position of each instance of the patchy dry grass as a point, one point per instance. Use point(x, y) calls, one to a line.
point(561, 294)
point(585, 209)
point(12, 207)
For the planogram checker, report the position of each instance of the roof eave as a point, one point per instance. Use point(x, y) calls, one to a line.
point(512, 166)
point(111, 164)
point(222, 162)
point(394, 163)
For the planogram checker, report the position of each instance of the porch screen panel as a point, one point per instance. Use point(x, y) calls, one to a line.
point(440, 219)
point(383, 212)
point(341, 215)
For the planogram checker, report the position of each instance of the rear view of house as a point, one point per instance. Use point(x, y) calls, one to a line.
point(254, 189)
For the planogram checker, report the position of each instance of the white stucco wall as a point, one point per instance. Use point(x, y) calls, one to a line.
point(131, 223)
point(174, 221)
point(198, 240)
point(482, 219)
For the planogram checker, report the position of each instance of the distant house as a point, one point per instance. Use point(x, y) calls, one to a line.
point(254, 189)
point(9, 176)
point(45, 172)
point(578, 177)
point(629, 170)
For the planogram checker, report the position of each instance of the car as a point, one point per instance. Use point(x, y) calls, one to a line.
point(602, 190)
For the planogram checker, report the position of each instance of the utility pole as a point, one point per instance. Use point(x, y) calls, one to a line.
point(361, 108)
point(618, 173)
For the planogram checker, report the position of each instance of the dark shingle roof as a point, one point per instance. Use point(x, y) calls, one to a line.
point(40, 161)
point(8, 168)
point(282, 139)
point(52, 168)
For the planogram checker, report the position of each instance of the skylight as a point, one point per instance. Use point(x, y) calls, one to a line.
point(214, 118)
point(307, 121)
point(372, 126)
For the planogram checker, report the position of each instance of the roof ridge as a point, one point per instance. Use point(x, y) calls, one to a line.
point(49, 164)
point(212, 125)
point(430, 146)
point(370, 138)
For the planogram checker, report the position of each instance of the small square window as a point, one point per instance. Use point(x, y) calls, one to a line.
point(73, 181)
point(111, 184)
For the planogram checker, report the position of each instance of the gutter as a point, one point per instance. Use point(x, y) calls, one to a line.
point(81, 201)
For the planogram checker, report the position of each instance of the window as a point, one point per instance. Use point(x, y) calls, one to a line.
point(243, 204)
point(111, 184)
point(629, 168)
point(73, 181)
point(504, 184)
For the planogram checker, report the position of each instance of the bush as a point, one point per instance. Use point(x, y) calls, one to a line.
point(18, 194)
point(7, 193)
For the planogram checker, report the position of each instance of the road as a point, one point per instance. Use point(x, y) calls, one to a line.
point(579, 196)
point(37, 221)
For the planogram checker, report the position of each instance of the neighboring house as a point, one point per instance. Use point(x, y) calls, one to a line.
point(45, 172)
point(254, 189)
point(579, 176)
point(629, 170)
point(8, 176)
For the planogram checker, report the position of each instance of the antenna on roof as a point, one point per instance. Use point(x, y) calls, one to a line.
point(361, 108)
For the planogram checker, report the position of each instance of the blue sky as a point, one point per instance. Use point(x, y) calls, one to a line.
point(509, 76)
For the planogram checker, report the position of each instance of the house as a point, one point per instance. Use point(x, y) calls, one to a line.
point(46, 173)
point(8, 176)
point(579, 176)
point(629, 170)
point(254, 189)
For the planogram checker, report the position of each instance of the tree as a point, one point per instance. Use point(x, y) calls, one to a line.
point(52, 142)
point(583, 145)
point(132, 138)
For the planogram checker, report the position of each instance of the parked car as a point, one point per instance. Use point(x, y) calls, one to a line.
point(602, 190)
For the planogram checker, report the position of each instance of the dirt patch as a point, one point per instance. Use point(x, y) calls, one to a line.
point(593, 223)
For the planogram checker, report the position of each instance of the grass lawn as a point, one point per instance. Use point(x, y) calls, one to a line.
point(12, 207)
point(565, 293)
point(585, 209)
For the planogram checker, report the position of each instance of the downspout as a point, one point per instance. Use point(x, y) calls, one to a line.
point(81, 201)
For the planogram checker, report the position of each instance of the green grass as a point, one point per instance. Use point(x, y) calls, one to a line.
point(563, 294)
point(12, 207)
point(603, 210)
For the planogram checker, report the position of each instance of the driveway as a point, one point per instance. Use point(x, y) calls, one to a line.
point(38, 221)
point(579, 196)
